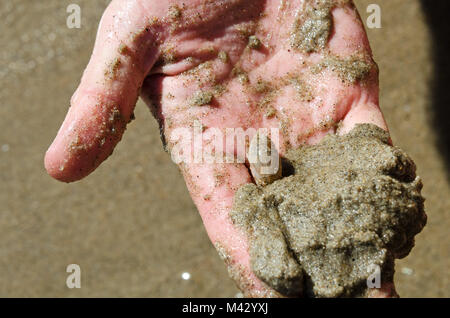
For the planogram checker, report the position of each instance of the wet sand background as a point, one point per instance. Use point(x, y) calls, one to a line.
point(131, 225)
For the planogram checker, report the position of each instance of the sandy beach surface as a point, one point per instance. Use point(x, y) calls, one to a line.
point(131, 226)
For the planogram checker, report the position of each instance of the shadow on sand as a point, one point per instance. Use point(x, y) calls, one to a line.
point(438, 17)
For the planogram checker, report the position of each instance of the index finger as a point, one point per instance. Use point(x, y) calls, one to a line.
point(125, 50)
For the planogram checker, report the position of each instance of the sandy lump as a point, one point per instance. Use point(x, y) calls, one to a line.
point(351, 203)
point(353, 69)
point(313, 25)
point(201, 98)
point(254, 42)
point(311, 31)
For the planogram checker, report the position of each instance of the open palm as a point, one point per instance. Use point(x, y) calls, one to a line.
point(220, 64)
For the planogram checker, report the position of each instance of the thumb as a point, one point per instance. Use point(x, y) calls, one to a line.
point(126, 48)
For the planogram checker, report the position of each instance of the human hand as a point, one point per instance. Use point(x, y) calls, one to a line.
point(226, 64)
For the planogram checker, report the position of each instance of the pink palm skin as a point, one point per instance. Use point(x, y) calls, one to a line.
point(135, 35)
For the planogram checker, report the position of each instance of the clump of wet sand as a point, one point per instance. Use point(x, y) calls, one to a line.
point(353, 202)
